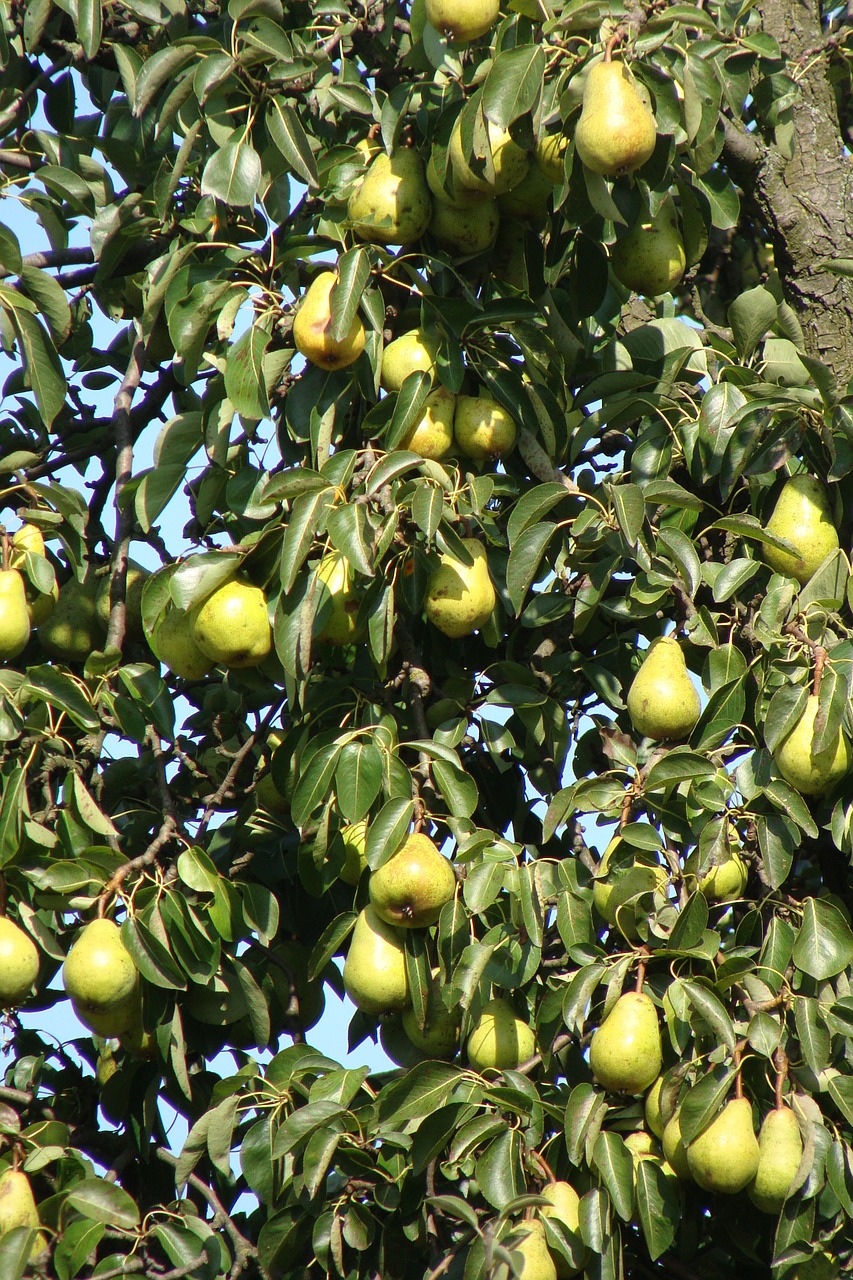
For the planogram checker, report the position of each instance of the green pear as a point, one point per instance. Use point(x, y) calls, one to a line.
point(460, 598)
point(311, 328)
point(530, 1252)
point(650, 257)
point(354, 837)
point(391, 204)
point(809, 772)
point(674, 1148)
point(642, 1146)
point(780, 1150)
point(14, 614)
point(18, 1207)
point(375, 967)
point(412, 352)
point(724, 1157)
point(563, 1206)
point(616, 132)
point(73, 629)
point(499, 1038)
point(432, 435)
point(725, 881)
point(509, 161)
point(462, 20)
point(662, 701)
point(398, 1046)
point(412, 886)
point(530, 198)
point(652, 1111)
point(550, 156)
point(614, 886)
point(625, 1053)
point(483, 429)
point(134, 585)
point(232, 627)
point(803, 517)
point(19, 964)
point(29, 540)
point(439, 1036)
point(101, 979)
point(447, 190)
point(175, 645)
point(336, 583)
point(465, 231)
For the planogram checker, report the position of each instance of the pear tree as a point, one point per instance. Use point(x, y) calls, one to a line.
point(426, 640)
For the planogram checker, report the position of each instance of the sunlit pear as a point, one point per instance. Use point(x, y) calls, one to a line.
point(724, 1157)
point(652, 1111)
point(780, 1150)
point(312, 323)
point(431, 435)
point(14, 615)
point(642, 1145)
point(375, 967)
point(803, 517)
point(233, 627)
point(614, 885)
point(809, 772)
point(392, 203)
point(550, 156)
point(462, 20)
point(483, 429)
point(412, 886)
point(663, 701)
point(410, 353)
point(530, 198)
point(465, 231)
point(725, 881)
point(28, 538)
point(446, 189)
point(509, 161)
point(674, 1148)
point(18, 1207)
point(460, 598)
point(135, 582)
point(19, 964)
point(368, 148)
point(625, 1052)
point(439, 1036)
point(530, 1253)
point(73, 629)
point(175, 645)
point(499, 1038)
point(354, 837)
point(616, 132)
point(101, 978)
point(336, 582)
point(563, 1206)
point(650, 257)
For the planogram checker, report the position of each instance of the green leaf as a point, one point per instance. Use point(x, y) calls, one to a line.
point(233, 172)
point(245, 384)
point(353, 270)
point(89, 26)
point(43, 367)
point(387, 831)
point(104, 1202)
point(630, 509)
point(358, 779)
point(614, 1164)
point(658, 1207)
point(824, 943)
point(524, 562)
point(13, 798)
point(751, 314)
point(498, 1171)
point(712, 1010)
point(514, 84)
point(286, 131)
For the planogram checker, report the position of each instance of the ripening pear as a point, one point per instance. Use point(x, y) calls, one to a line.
point(530, 198)
point(531, 1255)
point(397, 1044)
point(135, 582)
point(652, 1111)
point(311, 327)
point(439, 1036)
point(18, 1207)
point(662, 701)
point(460, 598)
point(412, 886)
point(446, 189)
point(483, 429)
point(724, 1157)
point(462, 20)
point(175, 645)
point(650, 257)
point(233, 627)
point(499, 1038)
point(509, 161)
point(410, 353)
point(550, 156)
point(101, 978)
point(465, 231)
point(29, 539)
point(803, 517)
point(392, 203)
point(725, 881)
point(354, 837)
point(74, 629)
point(809, 772)
point(616, 132)
point(780, 1150)
point(14, 614)
point(564, 1206)
point(432, 435)
point(335, 580)
point(375, 967)
point(674, 1148)
point(625, 1053)
point(613, 887)
point(19, 964)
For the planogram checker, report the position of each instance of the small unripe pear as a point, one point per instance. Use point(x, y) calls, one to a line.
point(354, 837)
point(674, 1148)
point(14, 614)
point(724, 1157)
point(809, 772)
point(174, 644)
point(499, 1038)
point(335, 578)
point(803, 517)
point(650, 257)
point(462, 20)
point(625, 1052)
point(460, 598)
point(531, 1255)
point(101, 978)
point(439, 1037)
point(654, 1116)
point(18, 1207)
point(725, 881)
point(509, 161)
point(564, 1207)
point(233, 627)
point(73, 628)
point(465, 231)
point(432, 435)
point(375, 967)
point(412, 886)
point(19, 964)
point(780, 1150)
point(663, 701)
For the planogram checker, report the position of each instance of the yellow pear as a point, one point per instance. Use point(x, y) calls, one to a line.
point(18, 1207)
point(336, 582)
point(439, 1036)
point(73, 629)
point(725, 881)
point(311, 328)
point(550, 156)
point(625, 1053)
point(642, 1146)
point(375, 967)
point(530, 1252)
point(674, 1149)
point(175, 645)
point(391, 204)
point(724, 1157)
point(432, 435)
point(615, 885)
point(460, 598)
point(509, 161)
point(780, 1150)
point(652, 1112)
point(447, 190)
point(650, 257)
point(465, 231)
point(663, 701)
point(136, 579)
point(616, 132)
point(412, 886)
point(101, 978)
point(803, 517)
point(40, 604)
point(232, 627)
point(462, 20)
point(564, 1206)
point(354, 837)
point(483, 429)
point(14, 614)
point(28, 538)
point(809, 772)
point(499, 1038)
point(410, 353)
point(19, 964)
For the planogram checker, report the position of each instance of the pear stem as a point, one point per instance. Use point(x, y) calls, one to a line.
point(611, 45)
point(780, 1061)
point(641, 973)
point(819, 664)
point(5, 552)
point(736, 1056)
point(544, 1166)
point(627, 806)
